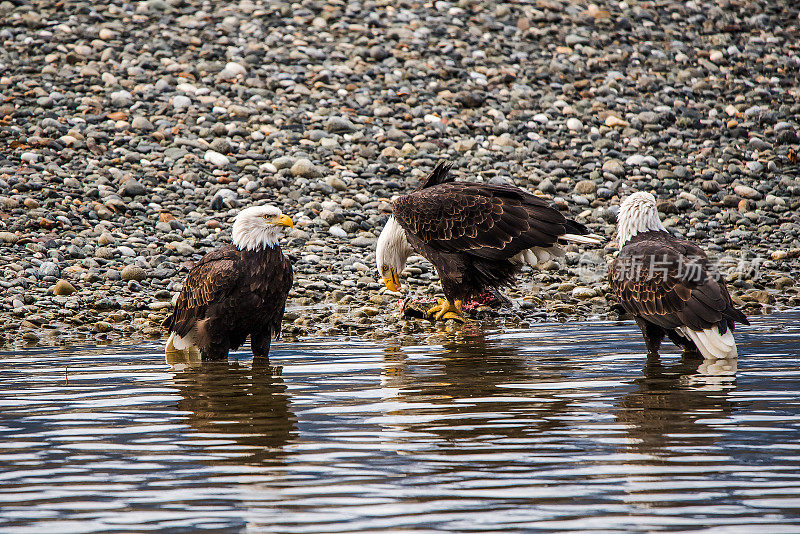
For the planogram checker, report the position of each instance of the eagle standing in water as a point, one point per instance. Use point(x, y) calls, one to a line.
point(235, 291)
point(477, 236)
point(666, 284)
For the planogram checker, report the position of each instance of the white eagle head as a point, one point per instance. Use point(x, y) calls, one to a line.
point(392, 253)
point(637, 214)
point(258, 227)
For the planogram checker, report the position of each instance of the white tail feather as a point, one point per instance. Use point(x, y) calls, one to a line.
point(182, 343)
point(180, 357)
point(590, 239)
point(536, 255)
point(710, 342)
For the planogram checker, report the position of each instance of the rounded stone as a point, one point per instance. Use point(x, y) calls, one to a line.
point(105, 239)
point(283, 162)
point(181, 102)
point(49, 268)
point(305, 168)
point(63, 288)
point(8, 237)
point(141, 123)
point(574, 124)
point(614, 166)
point(585, 187)
point(747, 192)
point(583, 293)
point(337, 231)
point(133, 272)
point(216, 159)
point(102, 326)
point(132, 187)
point(232, 70)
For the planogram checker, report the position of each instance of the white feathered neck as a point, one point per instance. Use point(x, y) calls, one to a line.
point(637, 214)
point(393, 248)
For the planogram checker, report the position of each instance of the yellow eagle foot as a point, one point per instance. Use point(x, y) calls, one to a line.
point(447, 310)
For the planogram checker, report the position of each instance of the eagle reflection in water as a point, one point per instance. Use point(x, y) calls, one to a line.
point(228, 402)
point(674, 406)
point(459, 394)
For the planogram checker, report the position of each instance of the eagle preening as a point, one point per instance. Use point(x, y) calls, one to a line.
point(668, 286)
point(235, 291)
point(477, 236)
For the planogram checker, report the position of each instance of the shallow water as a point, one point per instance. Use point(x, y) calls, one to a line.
point(556, 428)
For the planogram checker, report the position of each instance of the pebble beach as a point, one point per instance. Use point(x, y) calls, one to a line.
point(133, 132)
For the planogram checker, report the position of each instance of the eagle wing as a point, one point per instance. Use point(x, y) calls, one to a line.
point(489, 221)
point(670, 285)
point(210, 280)
point(440, 175)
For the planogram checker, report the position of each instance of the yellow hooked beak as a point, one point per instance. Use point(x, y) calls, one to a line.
point(284, 220)
point(392, 281)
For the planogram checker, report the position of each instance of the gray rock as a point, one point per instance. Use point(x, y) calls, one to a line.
point(141, 123)
point(180, 102)
point(754, 167)
point(283, 162)
point(336, 183)
point(337, 231)
point(224, 198)
point(183, 248)
point(331, 217)
point(546, 186)
point(648, 117)
point(220, 145)
point(747, 192)
point(121, 98)
point(339, 125)
point(49, 268)
point(305, 168)
point(614, 166)
point(132, 188)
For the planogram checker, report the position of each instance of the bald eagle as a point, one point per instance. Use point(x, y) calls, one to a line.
point(667, 284)
point(235, 291)
point(477, 236)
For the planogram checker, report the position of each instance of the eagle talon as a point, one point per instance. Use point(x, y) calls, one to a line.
point(447, 310)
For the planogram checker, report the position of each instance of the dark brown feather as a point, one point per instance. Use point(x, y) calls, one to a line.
point(470, 231)
point(679, 291)
point(230, 294)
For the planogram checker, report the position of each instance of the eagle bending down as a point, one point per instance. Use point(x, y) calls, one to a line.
point(477, 236)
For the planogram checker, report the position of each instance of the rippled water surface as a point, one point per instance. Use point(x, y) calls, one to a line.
point(556, 428)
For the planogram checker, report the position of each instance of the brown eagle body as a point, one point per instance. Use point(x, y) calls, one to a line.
point(230, 294)
point(667, 285)
point(471, 232)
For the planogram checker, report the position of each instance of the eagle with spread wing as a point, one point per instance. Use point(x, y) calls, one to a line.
point(668, 285)
point(477, 236)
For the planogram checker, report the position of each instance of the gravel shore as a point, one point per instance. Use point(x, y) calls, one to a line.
point(132, 133)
